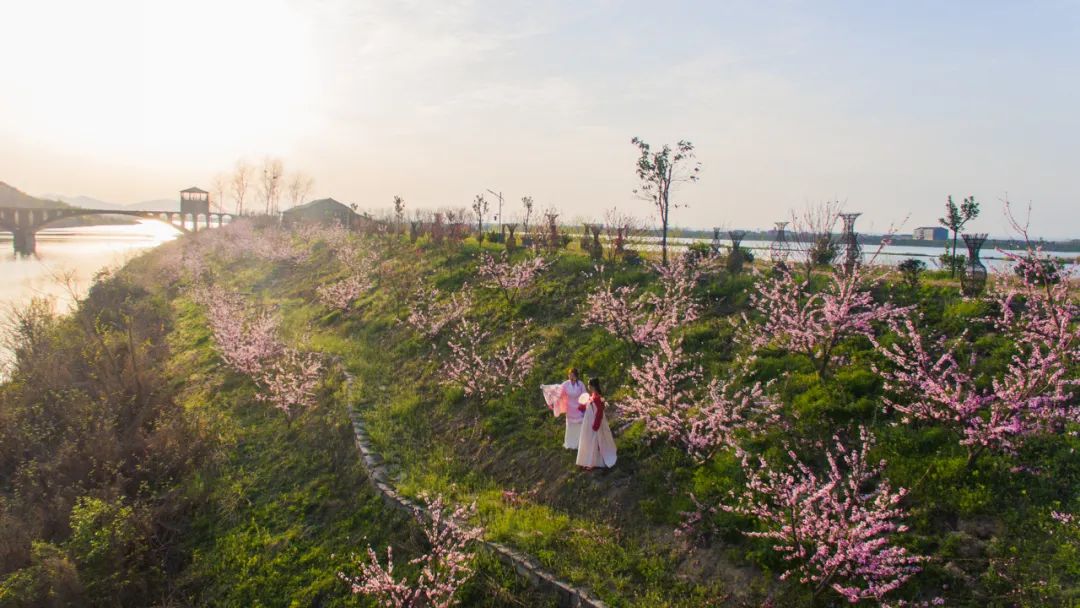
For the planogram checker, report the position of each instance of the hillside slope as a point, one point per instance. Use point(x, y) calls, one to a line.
point(984, 519)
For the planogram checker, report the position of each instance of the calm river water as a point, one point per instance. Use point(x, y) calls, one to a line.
point(78, 253)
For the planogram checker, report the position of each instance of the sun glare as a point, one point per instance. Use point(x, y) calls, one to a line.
point(167, 79)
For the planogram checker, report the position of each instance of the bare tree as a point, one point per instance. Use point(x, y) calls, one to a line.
point(239, 184)
point(480, 207)
point(813, 242)
point(399, 210)
point(621, 231)
point(273, 169)
point(527, 203)
point(299, 188)
point(219, 185)
point(660, 173)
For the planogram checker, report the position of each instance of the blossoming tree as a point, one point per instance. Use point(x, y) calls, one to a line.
point(836, 529)
point(443, 569)
point(796, 318)
point(669, 399)
point(646, 319)
point(429, 313)
point(1035, 393)
point(481, 373)
point(508, 278)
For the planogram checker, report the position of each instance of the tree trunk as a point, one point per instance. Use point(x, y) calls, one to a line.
point(952, 262)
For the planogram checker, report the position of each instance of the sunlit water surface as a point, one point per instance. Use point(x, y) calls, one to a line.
point(67, 260)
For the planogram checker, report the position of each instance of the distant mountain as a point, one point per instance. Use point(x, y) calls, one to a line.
point(86, 202)
point(13, 197)
point(161, 204)
point(89, 202)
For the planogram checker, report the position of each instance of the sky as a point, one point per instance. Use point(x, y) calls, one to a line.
point(886, 106)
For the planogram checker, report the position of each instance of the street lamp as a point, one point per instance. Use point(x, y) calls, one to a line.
point(499, 194)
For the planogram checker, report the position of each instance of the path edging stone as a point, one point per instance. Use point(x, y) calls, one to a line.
point(567, 595)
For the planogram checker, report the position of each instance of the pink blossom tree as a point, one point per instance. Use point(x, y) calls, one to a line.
point(510, 278)
point(290, 380)
point(429, 314)
point(669, 399)
point(340, 295)
point(646, 319)
point(795, 318)
point(836, 530)
point(443, 569)
point(480, 369)
point(246, 340)
point(1034, 394)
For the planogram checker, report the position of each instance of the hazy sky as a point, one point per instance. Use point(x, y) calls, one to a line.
point(889, 106)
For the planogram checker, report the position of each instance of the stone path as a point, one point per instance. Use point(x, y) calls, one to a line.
point(527, 567)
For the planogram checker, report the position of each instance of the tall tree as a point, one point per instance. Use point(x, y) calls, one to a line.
point(527, 202)
point(480, 207)
point(660, 172)
point(219, 185)
point(273, 170)
point(399, 210)
point(955, 218)
point(239, 184)
point(299, 188)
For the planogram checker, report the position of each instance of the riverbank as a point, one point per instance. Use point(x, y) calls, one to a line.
point(273, 515)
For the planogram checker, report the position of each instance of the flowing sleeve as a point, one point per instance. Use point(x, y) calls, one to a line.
point(555, 398)
point(598, 402)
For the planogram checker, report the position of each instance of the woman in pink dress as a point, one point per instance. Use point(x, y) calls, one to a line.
point(563, 399)
point(596, 447)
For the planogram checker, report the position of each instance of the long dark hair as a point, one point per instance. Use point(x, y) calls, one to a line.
point(594, 384)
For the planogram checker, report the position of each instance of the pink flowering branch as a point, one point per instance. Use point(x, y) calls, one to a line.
point(443, 569)
point(480, 369)
point(796, 319)
point(509, 278)
point(1034, 394)
point(340, 295)
point(646, 319)
point(290, 381)
point(668, 398)
point(246, 340)
point(429, 315)
point(835, 529)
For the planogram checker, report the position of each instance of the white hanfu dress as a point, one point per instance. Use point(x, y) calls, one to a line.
point(595, 448)
point(563, 399)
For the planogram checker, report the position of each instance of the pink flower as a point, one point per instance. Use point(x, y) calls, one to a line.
point(444, 567)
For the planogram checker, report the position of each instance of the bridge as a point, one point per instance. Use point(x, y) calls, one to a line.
point(23, 223)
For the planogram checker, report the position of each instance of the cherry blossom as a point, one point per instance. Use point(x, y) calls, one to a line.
point(646, 319)
point(509, 278)
point(796, 319)
point(429, 314)
point(1034, 394)
point(444, 567)
point(835, 529)
point(480, 370)
point(668, 398)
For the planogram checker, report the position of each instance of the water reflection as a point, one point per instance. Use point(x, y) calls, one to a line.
point(68, 258)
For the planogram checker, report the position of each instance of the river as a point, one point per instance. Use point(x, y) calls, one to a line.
point(67, 260)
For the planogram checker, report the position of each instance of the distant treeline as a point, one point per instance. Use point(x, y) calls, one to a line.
point(875, 239)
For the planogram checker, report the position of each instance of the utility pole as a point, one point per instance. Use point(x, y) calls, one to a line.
point(499, 194)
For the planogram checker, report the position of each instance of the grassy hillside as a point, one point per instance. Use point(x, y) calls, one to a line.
point(135, 470)
point(986, 524)
point(269, 507)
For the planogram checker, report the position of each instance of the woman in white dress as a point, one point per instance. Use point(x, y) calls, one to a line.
point(563, 399)
point(596, 446)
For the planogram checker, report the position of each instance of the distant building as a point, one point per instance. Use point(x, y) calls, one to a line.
point(195, 201)
point(930, 233)
point(324, 210)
